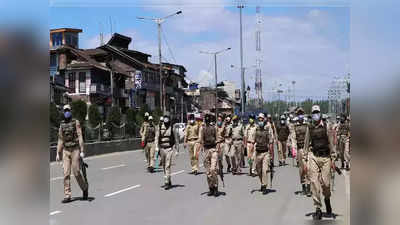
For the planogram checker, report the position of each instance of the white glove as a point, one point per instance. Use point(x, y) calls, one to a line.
point(82, 155)
point(58, 157)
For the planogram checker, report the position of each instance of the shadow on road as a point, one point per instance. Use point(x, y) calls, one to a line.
point(259, 190)
point(324, 215)
point(81, 199)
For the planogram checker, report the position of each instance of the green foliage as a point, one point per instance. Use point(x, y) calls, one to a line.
point(55, 115)
point(130, 122)
point(114, 116)
point(79, 110)
point(94, 115)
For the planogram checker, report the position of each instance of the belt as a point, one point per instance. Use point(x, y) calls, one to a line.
point(238, 139)
point(193, 139)
point(251, 142)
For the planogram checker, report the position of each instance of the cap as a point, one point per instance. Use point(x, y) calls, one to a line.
point(67, 107)
point(150, 118)
point(235, 117)
point(315, 108)
point(261, 115)
point(146, 114)
point(269, 116)
point(161, 118)
point(299, 110)
point(283, 117)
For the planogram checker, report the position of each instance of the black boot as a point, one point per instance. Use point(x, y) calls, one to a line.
point(304, 189)
point(342, 167)
point(85, 195)
point(328, 206)
point(168, 185)
point(347, 167)
point(151, 169)
point(216, 192)
point(66, 200)
point(228, 170)
point(280, 163)
point(308, 187)
point(318, 214)
point(211, 192)
point(263, 188)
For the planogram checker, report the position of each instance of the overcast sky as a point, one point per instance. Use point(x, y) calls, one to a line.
point(306, 43)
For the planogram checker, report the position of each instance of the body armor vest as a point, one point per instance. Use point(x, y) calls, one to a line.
point(237, 132)
point(262, 140)
point(283, 133)
point(193, 132)
point(220, 134)
point(300, 135)
point(166, 137)
point(251, 133)
point(70, 134)
point(228, 131)
point(209, 136)
point(319, 141)
point(151, 133)
point(343, 129)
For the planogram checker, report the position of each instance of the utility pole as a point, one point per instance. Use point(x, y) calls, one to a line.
point(159, 21)
point(216, 77)
point(241, 6)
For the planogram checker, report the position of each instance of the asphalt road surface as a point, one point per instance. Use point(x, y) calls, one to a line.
point(122, 192)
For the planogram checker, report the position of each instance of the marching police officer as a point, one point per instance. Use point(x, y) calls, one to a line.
point(166, 142)
point(208, 140)
point(321, 154)
point(220, 127)
point(263, 146)
point(70, 144)
point(149, 135)
point(236, 151)
point(343, 134)
point(250, 136)
point(191, 141)
point(298, 145)
point(283, 134)
point(142, 129)
point(228, 142)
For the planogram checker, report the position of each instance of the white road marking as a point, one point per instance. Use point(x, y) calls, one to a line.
point(123, 190)
point(59, 178)
point(176, 173)
point(54, 213)
point(113, 167)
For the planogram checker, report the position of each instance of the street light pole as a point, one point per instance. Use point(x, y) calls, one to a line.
point(159, 21)
point(241, 62)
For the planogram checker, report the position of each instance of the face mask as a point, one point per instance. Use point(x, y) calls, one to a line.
point(261, 123)
point(166, 120)
point(67, 114)
point(282, 122)
point(251, 121)
point(301, 117)
point(219, 123)
point(191, 121)
point(316, 116)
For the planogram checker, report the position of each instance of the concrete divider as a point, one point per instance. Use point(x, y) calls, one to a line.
point(104, 147)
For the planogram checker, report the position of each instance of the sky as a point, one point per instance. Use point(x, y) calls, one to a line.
point(306, 43)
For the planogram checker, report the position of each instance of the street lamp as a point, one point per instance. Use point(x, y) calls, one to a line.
point(159, 21)
point(215, 62)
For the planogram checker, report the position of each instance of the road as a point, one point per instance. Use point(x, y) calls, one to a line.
point(122, 192)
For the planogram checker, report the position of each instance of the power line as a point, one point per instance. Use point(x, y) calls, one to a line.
point(169, 49)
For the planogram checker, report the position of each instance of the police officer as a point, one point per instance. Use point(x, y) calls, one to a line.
point(70, 144)
point(208, 140)
point(228, 142)
point(250, 138)
point(142, 129)
point(321, 153)
point(166, 142)
point(343, 134)
point(220, 127)
point(263, 146)
point(149, 143)
point(271, 123)
point(298, 145)
point(236, 151)
point(191, 142)
point(283, 134)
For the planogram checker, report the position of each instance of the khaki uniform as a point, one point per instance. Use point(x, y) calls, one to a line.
point(166, 141)
point(237, 147)
point(250, 136)
point(149, 135)
point(264, 140)
point(343, 142)
point(70, 142)
point(321, 148)
point(282, 136)
point(191, 139)
point(291, 136)
point(208, 139)
point(228, 144)
point(302, 153)
point(141, 132)
point(220, 140)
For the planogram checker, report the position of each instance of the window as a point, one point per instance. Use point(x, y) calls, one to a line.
point(56, 39)
point(71, 81)
point(71, 39)
point(82, 82)
point(53, 60)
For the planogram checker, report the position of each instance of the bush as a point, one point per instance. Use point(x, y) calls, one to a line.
point(79, 110)
point(94, 115)
point(55, 115)
point(130, 121)
point(114, 116)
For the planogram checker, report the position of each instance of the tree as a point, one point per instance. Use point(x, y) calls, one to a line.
point(94, 115)
point(130, 121)
point(55, 115)
point(114, 116)
point(79, 110)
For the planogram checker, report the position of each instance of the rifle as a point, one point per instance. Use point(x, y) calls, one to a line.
point(83, 167)
point(220, 167)
point(271, 169)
